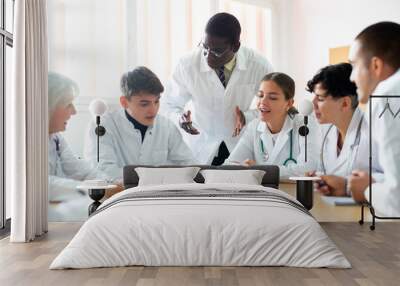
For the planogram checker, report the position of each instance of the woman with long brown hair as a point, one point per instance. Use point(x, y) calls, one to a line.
point(274, 137)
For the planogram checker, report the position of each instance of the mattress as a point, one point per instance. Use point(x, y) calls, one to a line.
point(201, 225)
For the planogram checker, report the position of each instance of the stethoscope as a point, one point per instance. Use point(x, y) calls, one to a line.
point(289, 159)
point(356, 143)
point(58, 152)
point(57, 142)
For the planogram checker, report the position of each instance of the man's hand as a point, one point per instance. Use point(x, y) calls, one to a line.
point(331, 185)
point(187, 124)
point(240, 121)
point(113, 191)
point(358, 183)
point(249, 163)
point(310, 174)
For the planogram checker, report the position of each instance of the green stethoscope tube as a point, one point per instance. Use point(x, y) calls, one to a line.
point(290, 158)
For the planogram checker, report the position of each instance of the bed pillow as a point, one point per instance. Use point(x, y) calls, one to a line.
point(166, 176)
point(248, 177)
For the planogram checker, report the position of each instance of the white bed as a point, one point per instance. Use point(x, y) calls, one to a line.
point(258, 226)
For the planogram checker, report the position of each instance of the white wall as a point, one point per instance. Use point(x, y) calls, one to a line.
point(314, 26)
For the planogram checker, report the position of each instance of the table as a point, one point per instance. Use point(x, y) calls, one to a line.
point(324, 212)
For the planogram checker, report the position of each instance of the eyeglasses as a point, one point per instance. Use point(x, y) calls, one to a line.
point(207, 50)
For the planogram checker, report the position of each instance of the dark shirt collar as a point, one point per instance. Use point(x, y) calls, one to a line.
point(136, 124)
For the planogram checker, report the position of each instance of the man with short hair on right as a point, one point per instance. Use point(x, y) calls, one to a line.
point(375, 56)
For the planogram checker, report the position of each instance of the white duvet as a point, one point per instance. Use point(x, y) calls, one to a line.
point(185, 231)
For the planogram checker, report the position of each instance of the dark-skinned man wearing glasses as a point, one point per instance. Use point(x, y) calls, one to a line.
point(219, 80)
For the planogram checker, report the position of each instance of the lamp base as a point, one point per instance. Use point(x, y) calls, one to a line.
point(304, 193)
point(96, 195)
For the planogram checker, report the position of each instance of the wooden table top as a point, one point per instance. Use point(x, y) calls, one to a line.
point(326, 212)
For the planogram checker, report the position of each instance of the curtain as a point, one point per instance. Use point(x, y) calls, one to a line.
point(28, 121)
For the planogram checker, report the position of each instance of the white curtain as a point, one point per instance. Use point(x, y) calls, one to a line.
point(28, 121)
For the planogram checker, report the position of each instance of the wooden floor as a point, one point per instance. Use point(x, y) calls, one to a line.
point(374, 255)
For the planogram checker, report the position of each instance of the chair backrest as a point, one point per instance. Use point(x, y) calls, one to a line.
point(270, 179)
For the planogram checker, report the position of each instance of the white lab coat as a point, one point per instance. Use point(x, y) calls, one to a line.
point(355, 151)
point(386, 130)
point(257, 138)
point(66, 171)
point(213, 112)
point(122, 144)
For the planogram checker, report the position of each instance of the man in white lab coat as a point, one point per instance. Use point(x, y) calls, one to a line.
point(220, 79)
point(137, 134)
point(375, 56)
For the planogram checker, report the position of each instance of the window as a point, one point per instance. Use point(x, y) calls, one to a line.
point(6, 43)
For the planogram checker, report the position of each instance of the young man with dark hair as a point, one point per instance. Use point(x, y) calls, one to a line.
point(220, 79)
point(375, 56)
point(137, 134)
